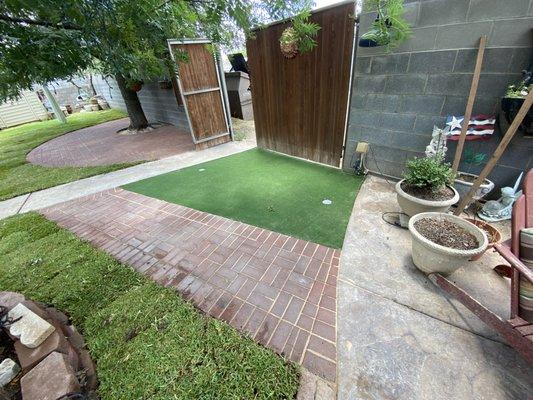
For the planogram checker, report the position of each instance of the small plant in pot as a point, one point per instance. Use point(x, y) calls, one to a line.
point(465, 180)
point(426, 187)
point(443, 243)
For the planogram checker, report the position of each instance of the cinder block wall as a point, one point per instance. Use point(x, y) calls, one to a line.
point(397, 97)
point(159, 105)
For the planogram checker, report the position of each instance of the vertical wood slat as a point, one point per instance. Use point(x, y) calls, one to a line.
point(300, 104)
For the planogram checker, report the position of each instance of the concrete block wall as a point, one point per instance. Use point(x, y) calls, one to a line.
point(397, 97)
point(159, 105)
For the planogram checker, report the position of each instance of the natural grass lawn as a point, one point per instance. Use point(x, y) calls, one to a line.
point(147, 342)
point(264, 189)
point(18, 177)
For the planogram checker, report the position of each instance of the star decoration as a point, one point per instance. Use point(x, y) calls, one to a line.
point(455, 123)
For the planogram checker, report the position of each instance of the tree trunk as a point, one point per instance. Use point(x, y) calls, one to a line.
point(138, 120)
point(91, 84)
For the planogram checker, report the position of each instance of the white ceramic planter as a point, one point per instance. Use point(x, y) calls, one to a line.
point(411, 205)
point(430, 257)
point(463, 187)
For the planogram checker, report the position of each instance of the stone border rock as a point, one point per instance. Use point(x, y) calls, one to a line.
point(61, 364)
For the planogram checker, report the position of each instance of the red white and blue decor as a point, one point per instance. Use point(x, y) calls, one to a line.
point(480, 127)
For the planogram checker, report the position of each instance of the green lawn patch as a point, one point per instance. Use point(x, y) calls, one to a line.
point(265, 189)
point(175, 352)
point(18, 177)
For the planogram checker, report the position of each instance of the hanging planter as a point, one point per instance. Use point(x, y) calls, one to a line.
point(389, 28)
point(288, 43)
point(299, 37)
point(136, 85)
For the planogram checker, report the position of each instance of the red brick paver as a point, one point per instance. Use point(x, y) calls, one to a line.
point(102, 145)
point(277, 289)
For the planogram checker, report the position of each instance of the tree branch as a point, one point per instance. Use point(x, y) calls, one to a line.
point(46, 24)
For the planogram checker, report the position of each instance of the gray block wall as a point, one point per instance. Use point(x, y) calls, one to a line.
point(397, 97)
point(159, 105)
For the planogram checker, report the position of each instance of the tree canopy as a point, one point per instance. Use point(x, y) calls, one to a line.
point(45, 40)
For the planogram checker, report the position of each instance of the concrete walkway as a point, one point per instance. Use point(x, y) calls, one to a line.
point(400, 337)
point(95, 184)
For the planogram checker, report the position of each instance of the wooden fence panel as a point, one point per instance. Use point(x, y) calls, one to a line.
point(300, 104)
point(202, 95)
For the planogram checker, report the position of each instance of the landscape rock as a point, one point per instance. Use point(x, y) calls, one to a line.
point(8, 370)
point(29, 357)
point(31, 329)
point(51, 379)
point(10, 299)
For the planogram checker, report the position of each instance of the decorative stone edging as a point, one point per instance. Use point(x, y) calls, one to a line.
point(54, 363)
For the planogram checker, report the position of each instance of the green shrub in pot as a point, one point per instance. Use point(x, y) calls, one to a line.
point(426, 187)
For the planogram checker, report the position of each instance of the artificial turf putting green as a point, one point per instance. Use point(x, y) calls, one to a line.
point(147, 342)
point(264, 189)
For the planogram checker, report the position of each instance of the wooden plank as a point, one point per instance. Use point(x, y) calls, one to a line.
point(525, 330)
point(199, 71)
point(497, 153)
point(504, 328)
point(470, 103)
point(517, 321)
point(206, 114)
point(300, 104)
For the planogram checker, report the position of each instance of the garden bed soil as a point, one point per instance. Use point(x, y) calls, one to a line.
point(446, 233)
point(469, 178)
point(441, 194)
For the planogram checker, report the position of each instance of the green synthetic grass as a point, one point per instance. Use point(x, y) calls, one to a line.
point(19, 177)
point(146, 341)
point(264, 189)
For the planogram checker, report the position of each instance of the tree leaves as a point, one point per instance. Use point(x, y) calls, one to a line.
point(44, 40)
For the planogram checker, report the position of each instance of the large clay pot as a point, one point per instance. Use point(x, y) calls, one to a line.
point(431, 257)
point(412, 205)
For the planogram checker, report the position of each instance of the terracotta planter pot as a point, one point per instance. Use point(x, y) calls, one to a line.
point(494, 236)
point(431, 257)
point(463, 186)
point(412, 205)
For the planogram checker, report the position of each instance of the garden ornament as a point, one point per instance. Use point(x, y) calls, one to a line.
point(437, 145)
point(501, 209)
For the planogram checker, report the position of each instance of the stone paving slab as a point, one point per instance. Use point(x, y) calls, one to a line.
point(401, 337)
point(387, 351)
point(102, 145)
point(277, 289)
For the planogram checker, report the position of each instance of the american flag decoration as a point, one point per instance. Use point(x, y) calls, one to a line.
point(480, 127)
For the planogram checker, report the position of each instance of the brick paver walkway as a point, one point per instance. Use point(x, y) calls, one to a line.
point(102, 145)
point(278, 289)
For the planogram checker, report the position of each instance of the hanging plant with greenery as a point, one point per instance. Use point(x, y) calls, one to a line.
point(300, 36)
point(389, 28)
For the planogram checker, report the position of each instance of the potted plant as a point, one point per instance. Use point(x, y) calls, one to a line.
point(513, 99)
point(426, 186)
point(443, 242)
point(464, 180)
point(389, 28)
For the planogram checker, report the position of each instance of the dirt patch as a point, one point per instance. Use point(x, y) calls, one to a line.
point(444, 193)
point(469, 178)
point(446, 233)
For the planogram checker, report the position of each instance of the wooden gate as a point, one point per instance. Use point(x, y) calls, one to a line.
point(300, 104)
point(201, 89)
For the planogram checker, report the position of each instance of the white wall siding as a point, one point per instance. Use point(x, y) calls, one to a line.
point(27, 108)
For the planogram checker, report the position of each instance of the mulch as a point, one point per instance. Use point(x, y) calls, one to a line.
point(446, 233)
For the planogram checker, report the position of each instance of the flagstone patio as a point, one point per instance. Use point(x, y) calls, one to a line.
point(399, 336)
point(278, 289)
